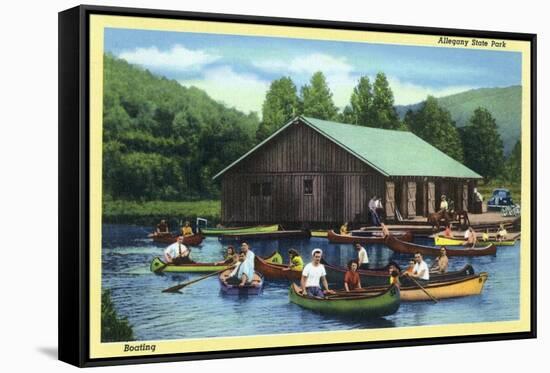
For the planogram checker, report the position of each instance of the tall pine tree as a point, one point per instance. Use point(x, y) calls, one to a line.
point(361, 101)
point(384, 114)
point(483, 148)
point(280, 105)
point(316, 99)
point(434, 125)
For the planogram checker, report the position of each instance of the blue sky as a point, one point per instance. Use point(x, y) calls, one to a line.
point(237, 70)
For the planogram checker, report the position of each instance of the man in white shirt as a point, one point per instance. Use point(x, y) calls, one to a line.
point(177, 253)
point(245, 248)
point(421, 272)
point(312, 274)
point(362, 256)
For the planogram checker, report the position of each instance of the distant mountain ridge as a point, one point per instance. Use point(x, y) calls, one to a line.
point(503, 103)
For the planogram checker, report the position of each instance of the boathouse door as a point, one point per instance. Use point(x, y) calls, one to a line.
point(431, 198)
point(411, 199)
point(390, 200)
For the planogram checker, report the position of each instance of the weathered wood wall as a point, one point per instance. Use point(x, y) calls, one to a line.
point(342, 184)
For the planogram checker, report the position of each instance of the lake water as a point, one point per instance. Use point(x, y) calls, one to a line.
point(201, 311)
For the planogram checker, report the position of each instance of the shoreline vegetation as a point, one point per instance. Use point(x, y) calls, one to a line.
point(149, 213)
point(113, 327)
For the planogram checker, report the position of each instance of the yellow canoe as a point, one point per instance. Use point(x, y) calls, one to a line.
point(446, 241)
point(462, 287)
point(322, 234)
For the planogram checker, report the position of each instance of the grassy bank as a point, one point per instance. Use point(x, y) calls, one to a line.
point(149, 213)
point(486, 190)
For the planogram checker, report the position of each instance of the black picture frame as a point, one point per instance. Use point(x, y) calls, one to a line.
point(74, 198)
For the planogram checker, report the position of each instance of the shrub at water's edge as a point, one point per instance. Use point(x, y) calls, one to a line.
point(149, 213)
point(113, 327)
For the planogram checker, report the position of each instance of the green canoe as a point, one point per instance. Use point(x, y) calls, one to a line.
point(384, 303)
point(240, 230)
point(158, 266)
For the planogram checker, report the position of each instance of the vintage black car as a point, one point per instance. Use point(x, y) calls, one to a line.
point(501, 197)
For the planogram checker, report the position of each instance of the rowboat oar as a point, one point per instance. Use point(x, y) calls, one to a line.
point(176, 288)
point(421, 287)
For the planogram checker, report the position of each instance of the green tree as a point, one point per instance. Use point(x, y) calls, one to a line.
point(113, 327)
point(434, 125)
point(361, 104)
point(384, 114)
point(483, 148)
point(280, 105)
point(513, 164)
point(316, 99)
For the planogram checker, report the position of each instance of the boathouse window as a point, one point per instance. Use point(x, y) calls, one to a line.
point(266, 189)
point(308, 187)
point(255, 189)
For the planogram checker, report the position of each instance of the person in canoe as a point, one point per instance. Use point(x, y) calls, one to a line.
point(242, 274)
point(186, 230)
point(410, 268)
point(394, 275)
point(448, 231)
point(362, 256)
point(501, 233)
point(162, 228)
point(441, 263)
point(313, 274)
point(470, 237)
point(177, 253)
point(245, 248)
point(231, 257)
point(421, 272)
point(344, 229)
point(296, 262)
point(352, 280)
point(485, 236)
point(385, 230)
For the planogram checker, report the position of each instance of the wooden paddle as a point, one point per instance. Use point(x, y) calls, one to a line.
point(176, 288)
point(424, 290)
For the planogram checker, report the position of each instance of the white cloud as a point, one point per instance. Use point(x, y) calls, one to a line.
point(408, 93)
point(245, 92)
point(307, 65)
point(177, 58)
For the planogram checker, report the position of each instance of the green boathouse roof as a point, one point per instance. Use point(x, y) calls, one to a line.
point(390, 152)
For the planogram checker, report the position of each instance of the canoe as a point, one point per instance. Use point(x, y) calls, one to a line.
point(372, 233)
point(241, 291)
point(403, 247)
point(159, 266)
point(376, 304)
point(275, 271)
point(297, 234)
point(446, 241)
point(381, 276)
point(460, 287)
point(339, 238)
point(169, 238)
point(237, 230)
point(319, 233)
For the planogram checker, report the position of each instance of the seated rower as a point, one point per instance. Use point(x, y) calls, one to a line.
point(362, 256)
point(485, 236)
point(352, 280)
point(394, 276)
point(441, 263)
point(231, 257)
point(344, 229)
point(242, 274)
point(448, 231)
point(177, 253)
point(186, 230)
point(501, 233)
point(410, 268)
point(296, 262)
point(470, 236)
point(313, 274)
point(162, 228)
point(421, 272)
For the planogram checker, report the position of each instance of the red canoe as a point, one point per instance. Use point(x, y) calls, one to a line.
point(169, 238)
point(402, 247)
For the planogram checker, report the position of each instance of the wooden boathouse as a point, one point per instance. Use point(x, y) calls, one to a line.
point(322, 173)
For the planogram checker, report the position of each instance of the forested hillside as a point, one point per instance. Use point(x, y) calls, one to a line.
point(504, 104)
point(163, 141)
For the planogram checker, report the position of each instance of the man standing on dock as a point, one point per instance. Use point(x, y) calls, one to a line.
point(362, 256)
point(313, 274)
